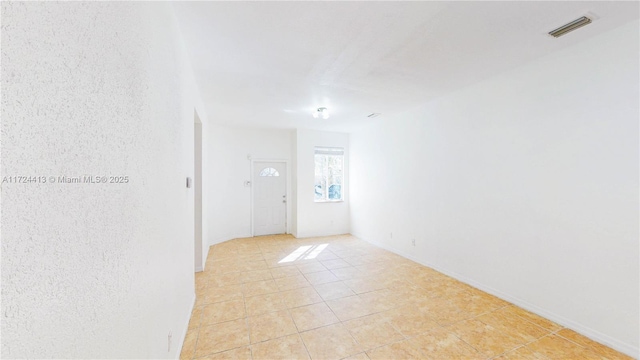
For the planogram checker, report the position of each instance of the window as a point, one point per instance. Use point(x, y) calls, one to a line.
point(269, 172)
point(328, 174)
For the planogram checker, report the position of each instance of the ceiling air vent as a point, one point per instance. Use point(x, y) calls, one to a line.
point(372, 115)
point(575, 24)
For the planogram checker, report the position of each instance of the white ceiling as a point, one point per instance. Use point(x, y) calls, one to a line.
point(270, 64)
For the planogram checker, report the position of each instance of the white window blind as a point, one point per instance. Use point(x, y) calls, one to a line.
point(329, 151)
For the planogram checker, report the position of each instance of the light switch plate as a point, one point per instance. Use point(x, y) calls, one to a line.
point(189, 182)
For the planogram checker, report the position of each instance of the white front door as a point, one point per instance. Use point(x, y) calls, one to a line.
point(269, 198)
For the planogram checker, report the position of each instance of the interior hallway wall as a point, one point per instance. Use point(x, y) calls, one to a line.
point(96, 270)
point(200, 248)
point(525, 185)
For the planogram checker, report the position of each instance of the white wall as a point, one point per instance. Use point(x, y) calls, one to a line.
point(294, 183)
point(312, 218)
point(96, 270)
point(229, 208)
point(525, 185)
point(200, 248)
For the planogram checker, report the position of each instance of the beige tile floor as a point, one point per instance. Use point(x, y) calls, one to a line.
point(277, 297)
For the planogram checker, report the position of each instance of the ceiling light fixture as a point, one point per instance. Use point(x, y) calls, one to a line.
point(321, 112)
point(575, 24)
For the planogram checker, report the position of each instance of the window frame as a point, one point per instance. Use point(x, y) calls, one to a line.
point(330, 151)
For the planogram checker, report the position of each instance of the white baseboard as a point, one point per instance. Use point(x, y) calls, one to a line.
point(186, 327)
point(320, 234)
point(577, 327)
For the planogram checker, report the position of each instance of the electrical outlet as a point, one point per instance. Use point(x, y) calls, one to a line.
point(169, 341)
point(413, 242)
point(390, 235)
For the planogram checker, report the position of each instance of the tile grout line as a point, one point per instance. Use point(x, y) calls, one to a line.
point(246, 319)
point(299, 334)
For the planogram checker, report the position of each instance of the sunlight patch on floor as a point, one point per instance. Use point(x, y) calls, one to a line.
point(304, 252)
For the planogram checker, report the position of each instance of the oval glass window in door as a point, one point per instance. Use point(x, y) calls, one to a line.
point(269, 172)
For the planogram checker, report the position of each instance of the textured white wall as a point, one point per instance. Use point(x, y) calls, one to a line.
point(525, 185)
point(229, 208)
point(312, 218)
point(88, 270)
